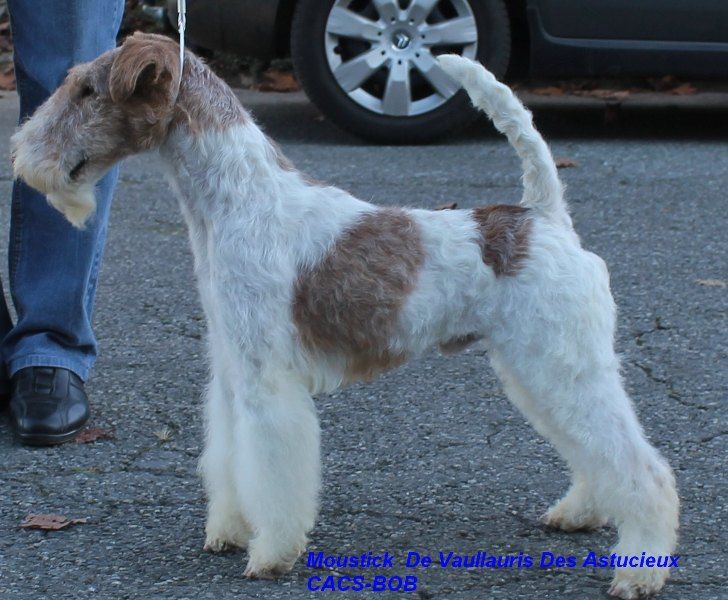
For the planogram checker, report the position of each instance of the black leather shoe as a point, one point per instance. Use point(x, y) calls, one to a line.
point(48, 405)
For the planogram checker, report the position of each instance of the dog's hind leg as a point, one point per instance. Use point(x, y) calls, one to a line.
point(226, 526)
point(620, 476)
point(578, 509)
point(277, 471)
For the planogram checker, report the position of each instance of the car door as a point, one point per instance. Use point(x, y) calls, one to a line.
point(654, 20)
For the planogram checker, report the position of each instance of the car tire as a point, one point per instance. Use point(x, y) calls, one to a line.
point(423, 119)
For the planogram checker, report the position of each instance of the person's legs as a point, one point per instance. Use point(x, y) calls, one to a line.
point(6, 324)
point(54, 267)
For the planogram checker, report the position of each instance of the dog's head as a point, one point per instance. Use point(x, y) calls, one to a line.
point(120, 104)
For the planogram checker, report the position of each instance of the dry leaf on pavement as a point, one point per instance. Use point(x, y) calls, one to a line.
point(275, 80)
point(685, 89)
point(712, 282)
point(565, 163)
point(91, 435)
point(164, 435)
point(49, 522)
point(550, 90)
point(7, 78)
point(604, 94)
point(663, 84)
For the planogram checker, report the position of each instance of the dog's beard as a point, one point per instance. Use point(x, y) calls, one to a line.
point(40, 168)
point(75, 200)
point(76, 203)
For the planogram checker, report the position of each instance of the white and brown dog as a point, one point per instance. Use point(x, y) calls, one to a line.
point(306, 288)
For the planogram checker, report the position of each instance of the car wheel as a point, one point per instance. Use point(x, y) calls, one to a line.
point(369, 64)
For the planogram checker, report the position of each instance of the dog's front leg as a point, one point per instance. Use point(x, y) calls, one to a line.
point(226, 527)
point(276, 462)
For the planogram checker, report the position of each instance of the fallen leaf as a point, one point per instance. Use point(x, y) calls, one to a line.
point(164, 435)
point(7, 78)
point(550, 90)
point(603, 94)
point(451, 206)
point(565, 163)
point(663, 84)
point(275, 80)
point(91, 435)
point(49, 522)
point(713, 282)
point(685, 89)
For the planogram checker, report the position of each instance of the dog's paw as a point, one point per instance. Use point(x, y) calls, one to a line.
point(257, 569)
point(559, 517)
point(216, 545)
point(270, 572)
point(630, 584)
point(268, 560)
point(574, 512)
point(226, 534)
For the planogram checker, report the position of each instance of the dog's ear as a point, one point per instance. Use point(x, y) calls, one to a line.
point(146, 70)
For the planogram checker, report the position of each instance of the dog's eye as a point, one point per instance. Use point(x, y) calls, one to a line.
point(86, 91)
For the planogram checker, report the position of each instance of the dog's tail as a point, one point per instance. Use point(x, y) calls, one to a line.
point(542, 188)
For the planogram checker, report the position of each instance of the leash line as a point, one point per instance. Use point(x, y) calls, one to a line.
point(181, 26)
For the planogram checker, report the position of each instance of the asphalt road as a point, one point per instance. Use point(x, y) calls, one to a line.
point(430, 457)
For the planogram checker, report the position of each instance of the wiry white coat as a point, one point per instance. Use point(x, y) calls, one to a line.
point(255, 226)
point(549, 331)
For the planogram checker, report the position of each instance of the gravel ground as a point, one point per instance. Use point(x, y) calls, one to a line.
point(430, 457)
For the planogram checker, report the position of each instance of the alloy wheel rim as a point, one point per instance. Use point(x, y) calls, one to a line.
point(382, 52)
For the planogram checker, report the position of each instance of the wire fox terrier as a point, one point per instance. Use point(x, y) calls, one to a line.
point(306, 288)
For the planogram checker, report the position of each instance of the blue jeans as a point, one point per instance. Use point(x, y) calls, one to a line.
point(53, 266)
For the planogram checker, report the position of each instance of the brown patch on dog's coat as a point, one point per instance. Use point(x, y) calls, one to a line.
point(146, 71)
point(505, 230)
point(143, 81)
point(205, 101)
point(350, 302)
